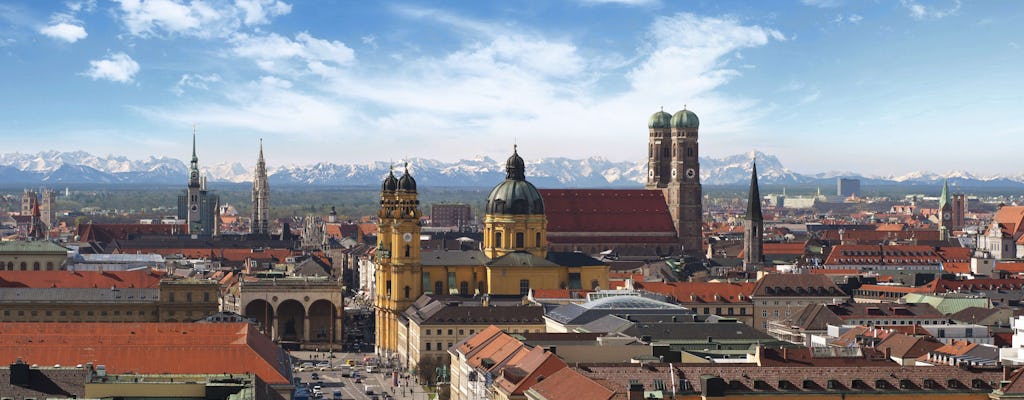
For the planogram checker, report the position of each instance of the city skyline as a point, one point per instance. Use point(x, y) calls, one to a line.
point(825, 84)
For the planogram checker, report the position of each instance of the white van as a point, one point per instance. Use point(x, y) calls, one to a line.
point(372, 368)
point(371, 389)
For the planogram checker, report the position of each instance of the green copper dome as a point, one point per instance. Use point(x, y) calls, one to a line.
point(685, 119)
point(660, 119)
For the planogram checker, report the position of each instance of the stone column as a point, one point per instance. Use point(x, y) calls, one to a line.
point(273, 328)
point(305, 329)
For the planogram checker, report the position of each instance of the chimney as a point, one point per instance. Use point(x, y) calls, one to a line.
point(636, 391)
point(785, 354)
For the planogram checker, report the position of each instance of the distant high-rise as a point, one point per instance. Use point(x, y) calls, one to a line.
point(846, 187)
point(198, 206)
point(753, 225)
point(452, 214)
point(260, 198)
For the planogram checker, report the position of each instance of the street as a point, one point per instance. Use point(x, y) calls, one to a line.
point(331, 380)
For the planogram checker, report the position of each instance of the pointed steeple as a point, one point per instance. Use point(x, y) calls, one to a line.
point(193, 173)
point(195, 159)
point(944, 196)
point(260, 223)
point(754, 197)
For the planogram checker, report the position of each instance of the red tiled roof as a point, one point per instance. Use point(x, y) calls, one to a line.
point(688, 292)
point(834, 271)
point(606, 210)
point(1010, 267)
point(1011, 219)
point(110, 232)
point(892, 289)
point(567, 384)
point(900, 255)
point(147, 348)
point(783, 248)
point(946, 285)
point(141, 279)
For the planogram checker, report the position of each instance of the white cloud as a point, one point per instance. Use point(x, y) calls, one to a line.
point(279, 54)
point(195, 81)
point(86, 5)
point(64, 31)
point(921, 11)
point(257, 11)
point(118, 67)
point(370, 40)
point(854, 18)
point(503, 81)
point(197, 18)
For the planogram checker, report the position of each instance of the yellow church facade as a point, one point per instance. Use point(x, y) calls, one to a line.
point(514, 258)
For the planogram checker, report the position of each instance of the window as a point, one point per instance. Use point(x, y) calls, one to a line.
point(707, 310)
point(764, 313)
point(188, 297)
point(35, 266)
point(536, 239)
point(438, 287)
point(718, 310)
point(743, 311)
point(406, 290)
point(520, 240)
point(461, 332)
point(407, 250)
point(428, 347)
point(451, 280)
point(170, 297)
point(689, 151)
point(426, 281)
point(942, 333)
point(574, 281)
point(49, 265)
point(969, 332)
point(775, 313)
point(594, 284)
point(497, 239)
point(524, 287)
point(206, 297)
point(729, 311)
point(450, 332)
point(472, 331)
point(464, 288)
point(24, 266)
point(438, 345)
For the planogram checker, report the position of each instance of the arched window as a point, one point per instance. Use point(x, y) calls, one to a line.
point(594, 284)
point(10, 265)
point(49, 265)
point(35, 266)
point(464, 288)
point(407, 250)
point(536, 241)
point(520, 240)
point(497, 239)
point(689, 151)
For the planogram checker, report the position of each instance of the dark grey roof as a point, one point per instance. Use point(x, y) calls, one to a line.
point(433, 312)
point(675, 331)
point(580, 314)
point(606, 324)
point(45, 383)
point(573, 259)
point(311, 266)
point(520, 259)
point(453, 257)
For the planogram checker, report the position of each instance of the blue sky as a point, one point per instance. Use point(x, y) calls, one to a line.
point(878, 87)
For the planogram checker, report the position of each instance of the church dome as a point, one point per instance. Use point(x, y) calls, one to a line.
point(685, 119)
point(515, 195)
point(390, 183)
point(660, 119)
point(406, 182)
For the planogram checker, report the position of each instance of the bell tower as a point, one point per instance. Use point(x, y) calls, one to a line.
point(753, 226)
point(945, 212)
point(399, 272)
point(195, 185)
point(683, 191)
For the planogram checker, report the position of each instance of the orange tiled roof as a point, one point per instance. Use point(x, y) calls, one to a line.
point(141, 279)
point(1011, 267)
point(705, 292)
point(957, 267)
point(567, 384)
point(956, 348)
point(783, 248)
point(147, 348)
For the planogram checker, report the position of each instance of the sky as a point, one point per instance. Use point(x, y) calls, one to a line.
point(875, 87)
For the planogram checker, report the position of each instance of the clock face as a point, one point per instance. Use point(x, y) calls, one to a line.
point(195, 207)
point(673, 173)
point(194, 175)
point(690, 173)
point(947, 216)
point(407, 237)
point(650, 172)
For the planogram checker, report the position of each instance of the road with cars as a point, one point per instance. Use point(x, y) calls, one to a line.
point(328, 376)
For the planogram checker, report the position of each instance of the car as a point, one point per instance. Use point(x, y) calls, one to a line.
point(315, 376)
point(350, 363)
point(359, 380)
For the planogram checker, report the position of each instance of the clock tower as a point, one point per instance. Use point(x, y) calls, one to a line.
point(399, 272)
point(945, 212)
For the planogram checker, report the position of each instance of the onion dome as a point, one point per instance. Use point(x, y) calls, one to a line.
point(390, 183)
point(515, 195)
point(685, 119)
point(660, 119)
point(406, 183)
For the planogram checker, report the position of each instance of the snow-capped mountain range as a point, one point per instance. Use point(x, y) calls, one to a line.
point(78, 167)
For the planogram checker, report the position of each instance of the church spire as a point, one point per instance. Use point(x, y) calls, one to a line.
point(944, 196)
point(754, 197)
point(260, 224)
point(193, 173)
